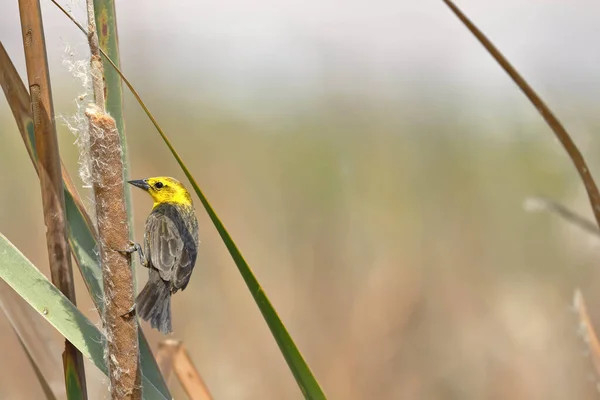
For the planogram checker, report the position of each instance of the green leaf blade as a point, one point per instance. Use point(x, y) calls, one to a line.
point(20, 274)
point(82, 239)
point(304, 377)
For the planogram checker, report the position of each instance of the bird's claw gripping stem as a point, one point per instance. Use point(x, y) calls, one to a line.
point(128, 312)
point(133, 247)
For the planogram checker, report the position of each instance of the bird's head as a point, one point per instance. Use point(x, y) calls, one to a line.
point(164, 189)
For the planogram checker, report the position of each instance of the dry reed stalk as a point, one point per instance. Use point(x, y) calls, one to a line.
point(167, 349)
point(50, 172)
point(573, 152)
point(172, 356)
point(553, 122)
point(121, 326)
point(554, 207)
point(18, 100)
point(15, 92)
point(96, 68)
point(587, 330)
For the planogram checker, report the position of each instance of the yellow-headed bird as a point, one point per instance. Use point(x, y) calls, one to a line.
point(170, 248)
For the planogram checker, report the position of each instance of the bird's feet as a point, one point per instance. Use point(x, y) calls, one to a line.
point(130, 311)
point(132, 248)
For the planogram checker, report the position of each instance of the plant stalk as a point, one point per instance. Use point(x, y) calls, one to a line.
point(53, 199)
point(113, 237)
point(83, 238)
point(559, 130)
point(105, 27)
point(121, 326)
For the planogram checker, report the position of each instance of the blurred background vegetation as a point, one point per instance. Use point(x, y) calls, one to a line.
point(371, 162)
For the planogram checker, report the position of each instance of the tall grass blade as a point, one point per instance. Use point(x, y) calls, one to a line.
point(81, 233)
point(20, 274)
point(304, 378)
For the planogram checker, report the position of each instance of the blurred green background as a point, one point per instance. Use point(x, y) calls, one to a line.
point(371, 162)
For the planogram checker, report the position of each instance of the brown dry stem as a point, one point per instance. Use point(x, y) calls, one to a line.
point(553, 122)
point(587, 330)
point(172, 356)
point(49, 166)
point(113, 232)
point(571, 149)
point(96, 67)
point(554, 207)
point(165, 356)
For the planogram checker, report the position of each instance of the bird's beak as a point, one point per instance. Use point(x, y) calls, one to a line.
point(141, 183)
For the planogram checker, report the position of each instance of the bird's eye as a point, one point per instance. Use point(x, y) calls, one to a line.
point(158, 185)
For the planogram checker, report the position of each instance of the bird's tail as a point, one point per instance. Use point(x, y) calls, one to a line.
point(153, 304)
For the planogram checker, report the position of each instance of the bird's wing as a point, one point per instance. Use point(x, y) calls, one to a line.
point(164, 244)
point(184, 270)
point(172, 247)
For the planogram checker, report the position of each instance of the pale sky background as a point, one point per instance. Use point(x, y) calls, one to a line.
point(248, 53)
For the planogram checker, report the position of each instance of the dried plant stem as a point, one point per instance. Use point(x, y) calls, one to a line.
point(113, 231)
point(301, 371)
point(586, 329)
point(571, 149)
point(165, 355)
point(560, 132)
point(50, 176)
point(543, 203)
point(108, 39)
point(172, 356)
point(18, 99)
point(97, 70)
point(120, 325)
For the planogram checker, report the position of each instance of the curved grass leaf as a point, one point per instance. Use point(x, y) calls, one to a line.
point(81, 235)
point(305, 379)
point(33, 286)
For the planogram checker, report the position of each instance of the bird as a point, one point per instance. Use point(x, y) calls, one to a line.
point(170, 249)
